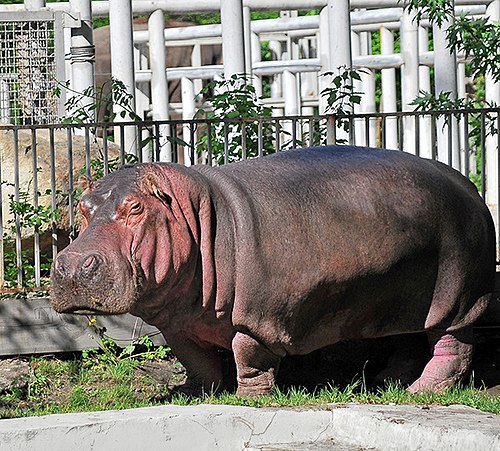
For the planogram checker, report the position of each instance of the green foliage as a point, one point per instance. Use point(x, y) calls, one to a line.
point(428, 102)
point(479, 41)
point(25, 216)
point(234, 100)
point(437, 10)
point(108, 351)
point(341, 95)
point(84, 105)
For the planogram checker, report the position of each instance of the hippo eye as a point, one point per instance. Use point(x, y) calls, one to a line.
point(135, 208)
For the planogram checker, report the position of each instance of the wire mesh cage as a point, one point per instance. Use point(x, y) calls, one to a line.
point(28, 69)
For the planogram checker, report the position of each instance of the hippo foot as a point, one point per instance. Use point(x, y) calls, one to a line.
point(256, 366)
point(451, 360)
point(257, 385)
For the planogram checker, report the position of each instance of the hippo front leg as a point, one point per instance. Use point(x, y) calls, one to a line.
point(256, 366)
point(202, 363)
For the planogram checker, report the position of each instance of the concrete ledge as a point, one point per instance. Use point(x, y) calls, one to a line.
point(210, 427)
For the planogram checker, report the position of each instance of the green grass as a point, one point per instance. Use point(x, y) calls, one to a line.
point(391, 394)
point(63, 386)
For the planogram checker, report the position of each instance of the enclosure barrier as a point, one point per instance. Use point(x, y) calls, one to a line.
point(41, 166)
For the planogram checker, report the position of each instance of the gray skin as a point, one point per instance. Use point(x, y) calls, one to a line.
point(286, 254)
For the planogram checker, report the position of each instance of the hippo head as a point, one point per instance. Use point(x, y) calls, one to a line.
point(136, 237)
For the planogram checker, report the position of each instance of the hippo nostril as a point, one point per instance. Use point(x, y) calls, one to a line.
point(88, 262)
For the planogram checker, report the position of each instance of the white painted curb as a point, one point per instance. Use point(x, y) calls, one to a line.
point(211, 427)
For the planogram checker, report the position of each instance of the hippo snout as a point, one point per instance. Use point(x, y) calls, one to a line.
point(87, 266)
point(91, 283)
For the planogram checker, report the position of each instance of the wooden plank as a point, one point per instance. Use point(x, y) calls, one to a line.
point(33, 327)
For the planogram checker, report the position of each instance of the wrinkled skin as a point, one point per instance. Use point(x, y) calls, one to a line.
point(286, 254)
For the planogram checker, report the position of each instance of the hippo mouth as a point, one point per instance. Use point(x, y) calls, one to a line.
point(85, 311)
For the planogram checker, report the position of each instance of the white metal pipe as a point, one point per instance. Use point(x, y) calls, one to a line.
point(367, 103)
point(233, 46)
point(247, 39)
point(409, 75)
point(188, 112)
point(141, 7)
point(159, 85)
point(82, 54)
point(34, 5)
point(339, 38)
point(196, 61)
point(368, 20)
point(425, 148)
point(445, 80)
point(359, 130)
point(388, 82)
point(122, 63)
point(256, 57)
point(491, 149)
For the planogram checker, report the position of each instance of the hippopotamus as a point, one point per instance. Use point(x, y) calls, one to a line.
point(285, 254)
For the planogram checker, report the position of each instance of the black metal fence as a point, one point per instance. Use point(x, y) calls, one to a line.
point(41, 166)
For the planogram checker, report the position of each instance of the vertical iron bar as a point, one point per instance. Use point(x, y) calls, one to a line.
point(383, 131)
point(483, 155)
point(226, 144)
point(450, 140)
point(466, 144)
point(417, 134)
point(88, 161)
point(122, 143)
point(192, 131)
point(53, 188)
point(105, 151)
point(278, 136)
point(19, 262)
point(71, 188)
point(311, 132)
point(294, 133)
point(209, 144)
point(433, 136)
point(36, 236)
point(243, 140)
point(260, 138)
point(367, 131)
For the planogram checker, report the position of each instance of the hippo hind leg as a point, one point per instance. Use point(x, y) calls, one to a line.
point(450, 362)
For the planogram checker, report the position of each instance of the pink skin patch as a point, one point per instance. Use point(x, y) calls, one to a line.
point(450, 361)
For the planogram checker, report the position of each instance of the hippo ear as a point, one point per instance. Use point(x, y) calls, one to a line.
point(86, 184)
point(162, 196)
point(152, 185)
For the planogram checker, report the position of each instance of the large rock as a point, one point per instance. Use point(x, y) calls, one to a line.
point(44, 175)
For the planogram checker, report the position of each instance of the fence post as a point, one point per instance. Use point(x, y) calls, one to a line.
point(335, 40)
point(388, 101)
point(491, 145)
point(188, 111)
point(233, 46)
point(122, 65)
point(424, 75)
point(445, 80)
point(409, 75)
point(82, 53)
point(159, 86)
